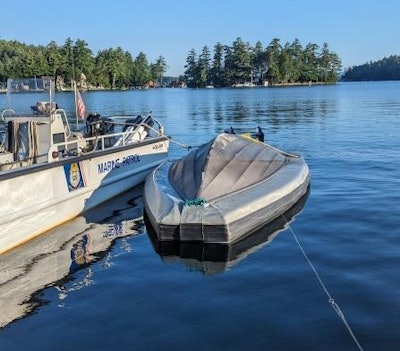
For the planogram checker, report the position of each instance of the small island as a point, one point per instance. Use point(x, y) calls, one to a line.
point(242, 65)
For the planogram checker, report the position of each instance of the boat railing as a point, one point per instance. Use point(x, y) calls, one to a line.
point(7, 112)
point(159, 128)
point(79, 145)
point(63, 115)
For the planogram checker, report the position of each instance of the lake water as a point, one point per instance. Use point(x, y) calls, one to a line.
point(128, 293)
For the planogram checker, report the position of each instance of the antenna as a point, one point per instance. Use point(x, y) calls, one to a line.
point(8, 94)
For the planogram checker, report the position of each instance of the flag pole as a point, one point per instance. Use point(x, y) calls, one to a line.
point(52, 94)
point(74, 83)
point(76, 107)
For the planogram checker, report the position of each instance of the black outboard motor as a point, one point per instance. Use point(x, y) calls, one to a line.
point(93, 124)
point(97, 125)
point(259, 135)
point(132, 122)
point(106, 126)
point(149, 123)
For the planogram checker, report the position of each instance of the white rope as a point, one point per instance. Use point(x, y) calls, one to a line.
point(334, 305)
point(185, 146)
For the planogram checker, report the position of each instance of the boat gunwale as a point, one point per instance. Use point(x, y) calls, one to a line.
point(37, 167)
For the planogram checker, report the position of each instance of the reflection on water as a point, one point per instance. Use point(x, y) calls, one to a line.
point(258, 104)
point(216, 258)
point(278, 111)
point(54, 258)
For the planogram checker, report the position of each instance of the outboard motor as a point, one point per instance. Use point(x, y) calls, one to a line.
point(132, 122)
point(149, 123)
point(106, 126)
point(93, 124)
point(97, 125)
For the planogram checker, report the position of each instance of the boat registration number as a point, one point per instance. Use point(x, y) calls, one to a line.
point(158, 146)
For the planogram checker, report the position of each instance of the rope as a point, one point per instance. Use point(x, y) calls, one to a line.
point(332, 302)
point(185, 146)
point(198, 201)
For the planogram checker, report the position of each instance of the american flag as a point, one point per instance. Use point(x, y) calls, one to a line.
point(80, 106)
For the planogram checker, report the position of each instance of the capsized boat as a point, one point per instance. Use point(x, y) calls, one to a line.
point(50, 174)
point(222, 190)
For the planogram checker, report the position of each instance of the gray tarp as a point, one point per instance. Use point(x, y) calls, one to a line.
point(222, 166)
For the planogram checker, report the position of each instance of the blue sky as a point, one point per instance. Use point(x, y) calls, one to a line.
point(357, 30)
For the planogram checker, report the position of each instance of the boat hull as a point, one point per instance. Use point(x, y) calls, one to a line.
point(228, 218)
point(211, 258)
point(38, 198)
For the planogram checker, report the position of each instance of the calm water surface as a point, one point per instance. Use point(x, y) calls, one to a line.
point(127, 293)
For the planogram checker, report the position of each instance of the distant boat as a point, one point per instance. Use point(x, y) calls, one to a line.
point(50, 174)
point(223, 190)
point(244, 85)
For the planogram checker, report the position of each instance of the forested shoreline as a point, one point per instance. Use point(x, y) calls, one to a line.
point(238, 64)
point(387, 68)
point(108, 69)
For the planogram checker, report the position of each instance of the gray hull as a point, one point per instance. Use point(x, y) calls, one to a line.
point(223, 190)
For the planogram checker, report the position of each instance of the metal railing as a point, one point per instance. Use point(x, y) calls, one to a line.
point(81, 145)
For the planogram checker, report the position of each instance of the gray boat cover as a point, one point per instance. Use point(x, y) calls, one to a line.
point(223, 190)
point(224, 165)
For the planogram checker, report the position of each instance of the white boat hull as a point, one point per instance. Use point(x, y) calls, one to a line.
point(40, 197)
point(51, 258)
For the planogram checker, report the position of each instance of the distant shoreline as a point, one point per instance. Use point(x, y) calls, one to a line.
point(277, 85)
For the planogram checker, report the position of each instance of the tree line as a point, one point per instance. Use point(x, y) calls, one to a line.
point(241, 63)
point(387, 68)
point(109, 68)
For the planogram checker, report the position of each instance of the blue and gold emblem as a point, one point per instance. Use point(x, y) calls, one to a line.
point(73, 176)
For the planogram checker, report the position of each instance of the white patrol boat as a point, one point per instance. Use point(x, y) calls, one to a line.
point(50, 174)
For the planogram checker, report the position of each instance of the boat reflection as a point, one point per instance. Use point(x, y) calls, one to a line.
point(54, 258)
point(211, 259)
